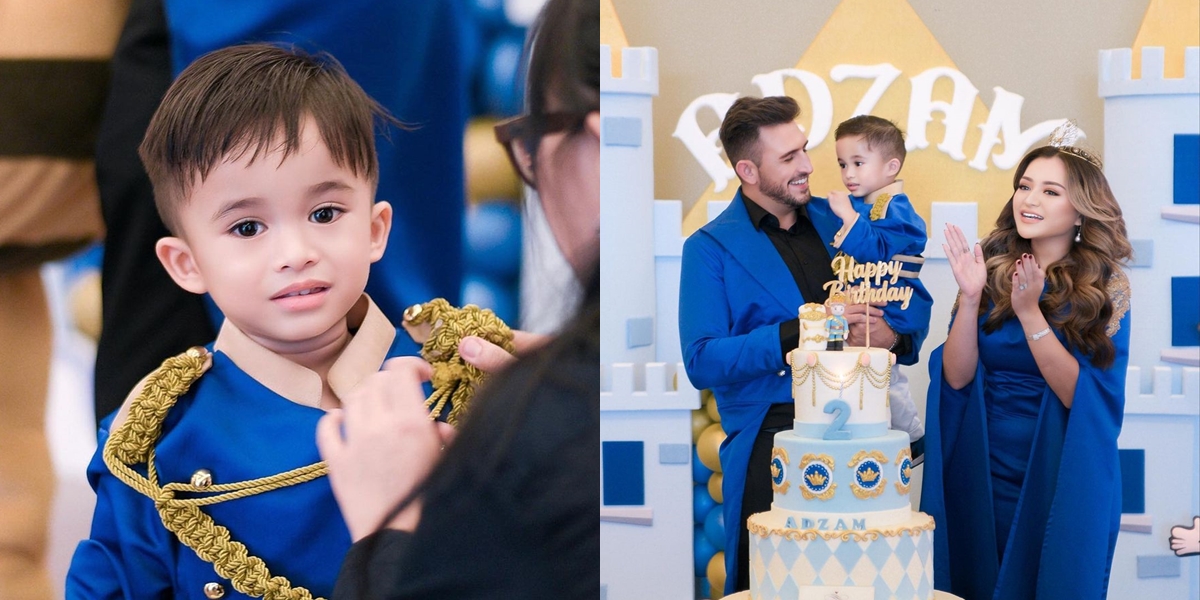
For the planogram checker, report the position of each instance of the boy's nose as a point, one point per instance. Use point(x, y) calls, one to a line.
point(295, 250)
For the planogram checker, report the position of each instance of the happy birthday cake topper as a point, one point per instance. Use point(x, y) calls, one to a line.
point(884, 275)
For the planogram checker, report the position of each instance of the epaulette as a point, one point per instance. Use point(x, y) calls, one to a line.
point(879, 208)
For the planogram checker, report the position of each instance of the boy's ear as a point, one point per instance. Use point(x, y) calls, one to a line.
point(893, 167)
point(176, 257)
point(381, 227)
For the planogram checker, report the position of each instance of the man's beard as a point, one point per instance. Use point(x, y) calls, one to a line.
point(780, 194)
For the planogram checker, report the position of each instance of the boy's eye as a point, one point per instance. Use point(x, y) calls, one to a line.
point(858, 164)
point(247, 229)
point(325, 214)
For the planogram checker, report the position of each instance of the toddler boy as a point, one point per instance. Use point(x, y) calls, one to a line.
point(264, 169)
point(880, 224)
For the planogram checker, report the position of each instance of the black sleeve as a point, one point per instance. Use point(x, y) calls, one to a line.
point(903, 344)
point(379, 555)
point(513, 510)
point(146, 317)
point(789, 337)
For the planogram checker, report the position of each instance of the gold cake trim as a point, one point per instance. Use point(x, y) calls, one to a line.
point(781, 454)
point(900, 487)
point(802, 372)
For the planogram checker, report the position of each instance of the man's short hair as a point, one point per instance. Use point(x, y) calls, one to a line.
point(739, 130)
point(253, 99)
point(879, 133)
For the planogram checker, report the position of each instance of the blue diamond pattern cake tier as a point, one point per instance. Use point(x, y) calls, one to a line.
point(865, 481)
point(893, 563)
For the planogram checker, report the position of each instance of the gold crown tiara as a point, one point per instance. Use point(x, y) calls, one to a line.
point(1064, 137)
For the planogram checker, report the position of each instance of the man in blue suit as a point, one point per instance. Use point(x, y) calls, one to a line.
point(744, 276)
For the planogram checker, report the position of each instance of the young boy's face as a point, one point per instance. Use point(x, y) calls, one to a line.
point(864, 169)
point(284, 249)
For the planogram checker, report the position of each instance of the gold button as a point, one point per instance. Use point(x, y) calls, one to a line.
point(213, 589)
point(202, 478)
point(411, 312)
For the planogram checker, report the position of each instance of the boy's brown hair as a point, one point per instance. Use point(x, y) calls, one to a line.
point(879, 133)
point(253, 98)
point(739, 129)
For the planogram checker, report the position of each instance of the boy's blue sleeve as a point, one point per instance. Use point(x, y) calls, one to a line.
point(127, 553)
point(900, 231)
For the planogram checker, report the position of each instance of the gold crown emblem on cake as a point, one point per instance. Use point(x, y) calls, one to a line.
point(908, 471)
point(774, 471)
point(815, 479)
point(869, 475)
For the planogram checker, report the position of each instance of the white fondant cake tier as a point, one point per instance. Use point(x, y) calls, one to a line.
point(868, 477)
point(858, 377)
point(882, 564)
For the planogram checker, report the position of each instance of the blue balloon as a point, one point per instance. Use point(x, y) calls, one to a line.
point(704, 551)
point(493, 237)
point(714, 527)
point(700, 473)
point(702, 502)
point(489, 13)
point(485, 292)
point(501, 82)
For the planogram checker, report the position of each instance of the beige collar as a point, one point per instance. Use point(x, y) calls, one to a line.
point(363, 355)
point(893, 188)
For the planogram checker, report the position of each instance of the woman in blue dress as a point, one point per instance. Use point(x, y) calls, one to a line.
point(1027, 394)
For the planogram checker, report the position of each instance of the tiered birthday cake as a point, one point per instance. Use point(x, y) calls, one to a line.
point(841, 524)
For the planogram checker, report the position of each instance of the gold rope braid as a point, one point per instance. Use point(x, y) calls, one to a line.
point(879, 209)
point(454, 380)
point(133, 444)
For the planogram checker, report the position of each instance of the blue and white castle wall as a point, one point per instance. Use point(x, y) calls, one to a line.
point(1152, 133)
point(645, 397)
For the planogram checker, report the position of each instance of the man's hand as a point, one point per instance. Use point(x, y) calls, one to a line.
point(858, 315)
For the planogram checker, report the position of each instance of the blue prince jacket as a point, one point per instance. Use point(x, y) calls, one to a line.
point(236, 428)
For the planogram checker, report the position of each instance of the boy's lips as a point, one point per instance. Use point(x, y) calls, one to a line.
point(302, 296)
point(303, 288)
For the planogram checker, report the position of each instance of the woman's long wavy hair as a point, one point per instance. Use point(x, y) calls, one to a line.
point(1077, 301)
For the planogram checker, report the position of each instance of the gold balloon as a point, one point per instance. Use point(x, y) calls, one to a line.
point(711, 407)
point(714, 487)
point(700, 422)
point(709, 445)
point(716, 573)
point(490, 175)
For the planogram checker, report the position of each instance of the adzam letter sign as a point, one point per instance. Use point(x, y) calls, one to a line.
point(1002, 127)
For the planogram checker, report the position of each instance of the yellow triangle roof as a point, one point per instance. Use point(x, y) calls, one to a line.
point(1172, 24)
point(612, 33)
